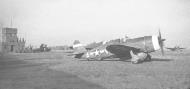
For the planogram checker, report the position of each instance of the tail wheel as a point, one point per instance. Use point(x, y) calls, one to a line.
point(148, 58)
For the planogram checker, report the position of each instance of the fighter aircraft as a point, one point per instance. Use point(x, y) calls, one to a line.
point(136, 49)
point(176, 48)
point(76, 44)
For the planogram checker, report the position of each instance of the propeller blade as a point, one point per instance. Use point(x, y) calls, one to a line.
point(159, 34)
point(161, 42)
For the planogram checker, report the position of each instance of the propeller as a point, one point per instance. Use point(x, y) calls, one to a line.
point(161, 42)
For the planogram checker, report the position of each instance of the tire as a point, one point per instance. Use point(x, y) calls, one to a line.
point(101, 58)
point(134, 62)
point(148, 58)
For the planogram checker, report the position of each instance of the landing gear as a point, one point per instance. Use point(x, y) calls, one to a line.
point(135, 62)
point(141, 57)
point(101, 58)
point(148, 58)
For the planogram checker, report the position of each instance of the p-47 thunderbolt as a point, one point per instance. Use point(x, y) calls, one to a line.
point(136, 49)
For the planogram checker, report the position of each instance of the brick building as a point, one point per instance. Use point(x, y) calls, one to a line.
point(10, 42)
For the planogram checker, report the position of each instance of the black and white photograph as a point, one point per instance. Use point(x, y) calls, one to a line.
point(94, 44)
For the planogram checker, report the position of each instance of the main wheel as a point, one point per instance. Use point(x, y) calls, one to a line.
point(148, 58)
point(134, 62)
point(101, 58)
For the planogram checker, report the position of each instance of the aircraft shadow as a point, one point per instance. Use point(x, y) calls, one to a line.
point(107, 60)
point(128, 60)
point(162, 59)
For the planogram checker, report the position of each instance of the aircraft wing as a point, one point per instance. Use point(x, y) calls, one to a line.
point(121, 50)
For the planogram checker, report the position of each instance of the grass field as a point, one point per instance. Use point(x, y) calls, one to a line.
point(171, 71)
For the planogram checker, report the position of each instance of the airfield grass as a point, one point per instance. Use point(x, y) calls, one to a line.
point(171, 71)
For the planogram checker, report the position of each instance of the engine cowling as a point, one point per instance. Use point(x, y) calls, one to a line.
point(145, 44)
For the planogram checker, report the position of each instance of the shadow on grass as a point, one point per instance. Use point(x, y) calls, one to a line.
point(128, 60)
point(162, 59)
point(108, 59)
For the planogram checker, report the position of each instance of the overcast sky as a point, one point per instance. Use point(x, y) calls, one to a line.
point(59, 22)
